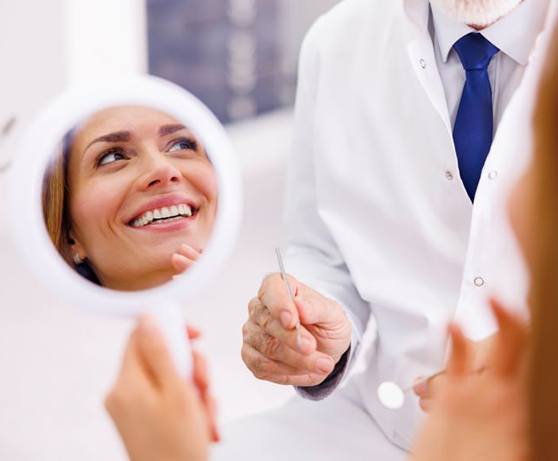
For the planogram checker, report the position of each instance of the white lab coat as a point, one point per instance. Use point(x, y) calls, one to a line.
point(376, 213)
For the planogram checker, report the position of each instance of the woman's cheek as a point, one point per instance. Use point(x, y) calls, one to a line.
point(93, 207)
point(204, 180)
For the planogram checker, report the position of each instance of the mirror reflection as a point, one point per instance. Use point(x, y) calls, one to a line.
point(130, 198)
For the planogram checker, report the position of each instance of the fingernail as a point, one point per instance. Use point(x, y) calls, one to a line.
point(304, 344)
point(324, 365)
point(421, 387)
point(286, 318)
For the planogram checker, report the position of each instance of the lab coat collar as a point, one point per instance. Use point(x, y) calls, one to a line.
point(418, 13)
point(416, 19)
point(448, 30)
point(529, 16)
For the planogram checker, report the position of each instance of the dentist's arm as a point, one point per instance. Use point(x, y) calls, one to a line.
point(329, 307)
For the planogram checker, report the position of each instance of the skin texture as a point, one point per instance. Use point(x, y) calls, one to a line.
point(158, 414)
point(481, 416)
point(111, 181)
point(272, 347)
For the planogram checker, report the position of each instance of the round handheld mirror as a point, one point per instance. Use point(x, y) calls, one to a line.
point(127, 197)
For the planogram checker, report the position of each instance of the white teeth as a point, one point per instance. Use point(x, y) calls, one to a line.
point(185, 210)
point(167, 213)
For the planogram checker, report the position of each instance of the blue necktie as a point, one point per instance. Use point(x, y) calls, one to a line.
point(474, 124)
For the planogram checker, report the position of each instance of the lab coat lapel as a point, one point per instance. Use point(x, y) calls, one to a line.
point(522, 102)
point(421, 55)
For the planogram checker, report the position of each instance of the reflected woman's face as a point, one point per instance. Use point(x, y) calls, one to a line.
point(140, 186)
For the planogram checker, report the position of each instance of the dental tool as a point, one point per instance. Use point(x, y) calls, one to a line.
point(392, 396)
point(289, 289)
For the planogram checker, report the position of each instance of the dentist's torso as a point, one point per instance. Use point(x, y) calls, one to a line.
point(389, 191)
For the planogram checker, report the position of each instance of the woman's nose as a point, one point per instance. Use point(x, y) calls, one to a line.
point(160, 172)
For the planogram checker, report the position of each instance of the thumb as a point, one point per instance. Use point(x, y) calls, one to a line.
point(315, 309)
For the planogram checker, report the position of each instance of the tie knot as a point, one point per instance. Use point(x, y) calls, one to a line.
point(475, 51)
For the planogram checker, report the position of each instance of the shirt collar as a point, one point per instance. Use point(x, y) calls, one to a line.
point(528, 17)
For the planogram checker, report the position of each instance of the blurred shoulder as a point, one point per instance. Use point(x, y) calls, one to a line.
point(348, 21)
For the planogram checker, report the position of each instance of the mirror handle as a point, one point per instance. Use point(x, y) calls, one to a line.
point(171, 322)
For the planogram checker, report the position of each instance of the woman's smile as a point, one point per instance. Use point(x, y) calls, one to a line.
point(165, 213)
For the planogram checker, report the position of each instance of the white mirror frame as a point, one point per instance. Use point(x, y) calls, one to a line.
point(35, 146)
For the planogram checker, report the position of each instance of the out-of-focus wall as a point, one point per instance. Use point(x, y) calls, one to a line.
point(238, 56)
point(104, 38)
point(47, 45)
point(32, 58)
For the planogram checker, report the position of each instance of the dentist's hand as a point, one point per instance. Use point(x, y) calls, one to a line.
point(184, 257)
point(273, 350)
point(159, 414)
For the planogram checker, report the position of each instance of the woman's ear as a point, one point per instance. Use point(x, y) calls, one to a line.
point(78, 251)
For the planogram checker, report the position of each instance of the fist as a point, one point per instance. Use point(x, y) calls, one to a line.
point(296, 343)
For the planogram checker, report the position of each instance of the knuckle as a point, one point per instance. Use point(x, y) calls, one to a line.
point(259, 375)
point(245, 331)
point(246, 357)
point(271, 347)
point(252, 305)
point(259, 372)
point(283, 380)
point(257, 364)
point(264, 320)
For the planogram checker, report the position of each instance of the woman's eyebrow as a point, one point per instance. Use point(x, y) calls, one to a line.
point(118, 136)
point(165, 130)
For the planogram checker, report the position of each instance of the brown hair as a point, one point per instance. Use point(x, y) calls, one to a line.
point(543, 385)
point(55, 192)
point(56, 213)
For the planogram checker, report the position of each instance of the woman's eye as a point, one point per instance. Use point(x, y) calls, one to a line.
point(183, 144)
point(110, 157)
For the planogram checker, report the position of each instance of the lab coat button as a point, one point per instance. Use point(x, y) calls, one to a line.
point(422, 63)
point(449, 175)
point(479, 282)
point(493, 174)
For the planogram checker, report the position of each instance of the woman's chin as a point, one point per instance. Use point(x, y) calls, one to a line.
point(138, 282)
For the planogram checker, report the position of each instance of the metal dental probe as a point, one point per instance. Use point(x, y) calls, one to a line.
point(289, 289)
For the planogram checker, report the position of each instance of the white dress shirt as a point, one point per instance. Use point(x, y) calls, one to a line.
point(506, 68)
